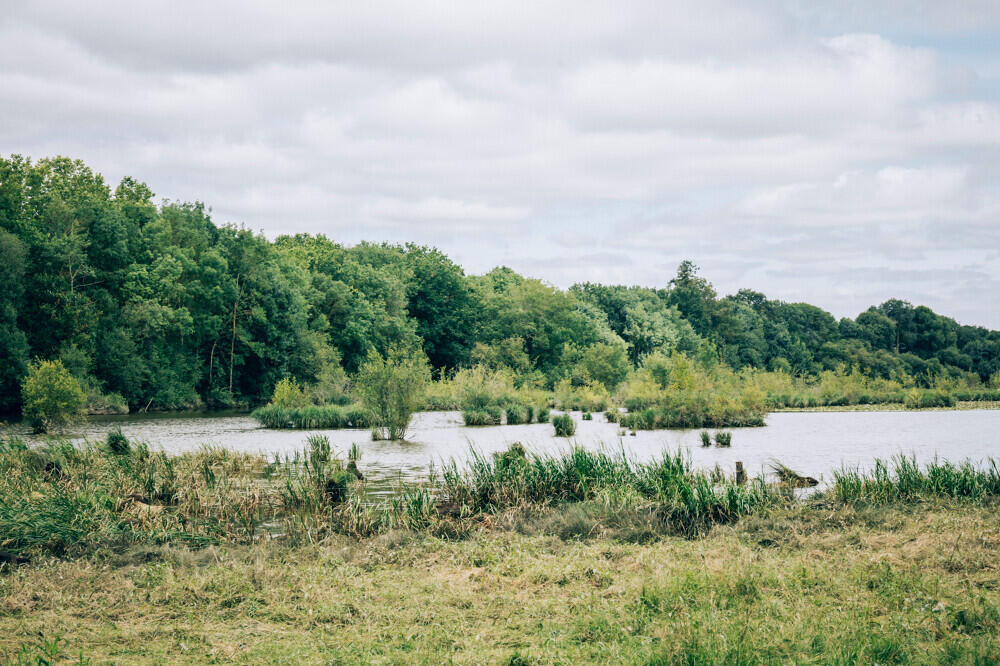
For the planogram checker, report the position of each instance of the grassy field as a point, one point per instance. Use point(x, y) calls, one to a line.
point(579, 557)
point(823, 583)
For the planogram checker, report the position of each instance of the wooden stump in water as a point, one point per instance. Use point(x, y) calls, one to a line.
point(741, 475)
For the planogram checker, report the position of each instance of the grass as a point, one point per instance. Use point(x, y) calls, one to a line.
point(802, 584)
point(564, 425)
point(579, 556)
point(488, 415)
point(901, 479)
point(325, 417)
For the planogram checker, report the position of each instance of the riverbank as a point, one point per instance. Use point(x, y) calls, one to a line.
point(821, 582)
point(962, 405)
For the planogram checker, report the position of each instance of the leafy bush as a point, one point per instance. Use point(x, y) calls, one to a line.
point(288, 394)
point(313, 417)
point(392, 389)
point(117, 443)
point(517, 414)
point(926, 399)
point(489, 415)
point(51, 396)
point(564, 425)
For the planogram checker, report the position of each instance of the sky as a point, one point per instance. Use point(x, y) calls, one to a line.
point(839, 154)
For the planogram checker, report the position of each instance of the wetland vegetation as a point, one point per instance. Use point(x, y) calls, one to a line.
point(515, 557)
point(114, 550)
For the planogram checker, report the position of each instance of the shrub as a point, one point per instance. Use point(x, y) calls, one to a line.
point(51, 396)
point(117, 443)
point(391, 389)
point(543, 415)
point(564, 425)
point(479, 387)
point(288, 394)
point(313, 417)
point(486, 416)
point(517, 414)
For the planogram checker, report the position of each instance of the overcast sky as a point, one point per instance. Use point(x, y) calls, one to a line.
point(834, 156)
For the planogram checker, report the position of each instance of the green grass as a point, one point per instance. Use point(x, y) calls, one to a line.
point(901, 479)
point(325, 417)
point(490, 415)
point(824, 584)
point(564, 425)
point(575, 557)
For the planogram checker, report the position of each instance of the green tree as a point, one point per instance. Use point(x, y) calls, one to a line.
point(391, 389)
point(51, 396)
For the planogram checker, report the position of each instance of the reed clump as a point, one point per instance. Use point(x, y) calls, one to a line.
point(313, 417)
point(902, 479)
point(564, 425)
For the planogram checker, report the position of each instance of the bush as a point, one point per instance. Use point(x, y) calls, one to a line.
point(51, 396)
point(486, 416)
point(926, 399)
point(517, 414)
point(543, 415)
point(392, 389)
point(117, 443)
point(288, 394)
point(564, 425)
point(313, 417)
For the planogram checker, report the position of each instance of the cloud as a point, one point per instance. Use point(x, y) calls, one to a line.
point(817, 153)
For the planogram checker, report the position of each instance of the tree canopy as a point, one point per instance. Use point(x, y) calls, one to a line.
point(158, 304)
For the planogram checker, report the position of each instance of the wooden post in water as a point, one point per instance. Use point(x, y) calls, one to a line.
point(741, 475)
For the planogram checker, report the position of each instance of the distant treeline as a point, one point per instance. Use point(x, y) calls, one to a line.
point(157, 307)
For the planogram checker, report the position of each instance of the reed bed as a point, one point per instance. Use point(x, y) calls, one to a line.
point(316, 417)
point(65, 500)
point(902, 479)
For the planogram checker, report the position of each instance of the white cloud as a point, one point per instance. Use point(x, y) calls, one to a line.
point(783, 147)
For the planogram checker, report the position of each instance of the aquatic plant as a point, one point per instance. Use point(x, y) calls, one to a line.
point(564, 425)
point(902, 479)
point(484, 416)
point(706, 438)
point(517, 414)
point(724, 439)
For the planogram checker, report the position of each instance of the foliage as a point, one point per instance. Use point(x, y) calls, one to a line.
point(158, 307)
point(51, 395)
point(902, 479)
point(391, 389)
point(289, 395)
point(490, 415)
point(564, 425)
point(313, 417)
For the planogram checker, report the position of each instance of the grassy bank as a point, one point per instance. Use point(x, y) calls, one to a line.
point(893, 407)
point(815, 584)
point(584, 556)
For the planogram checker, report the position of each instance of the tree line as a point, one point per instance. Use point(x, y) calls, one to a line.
point(155, 306)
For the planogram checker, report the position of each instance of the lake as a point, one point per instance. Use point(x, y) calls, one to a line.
point(812, 443)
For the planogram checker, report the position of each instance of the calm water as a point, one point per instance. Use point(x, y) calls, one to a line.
point(812, 443)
